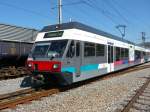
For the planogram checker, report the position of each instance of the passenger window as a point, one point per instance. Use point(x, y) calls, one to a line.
point(89, 49)
point(71, 50)
point(126, 53)
point(122, 53)
point(100, 50)
point(137, 54)
point(118, 53)
point(77, 49)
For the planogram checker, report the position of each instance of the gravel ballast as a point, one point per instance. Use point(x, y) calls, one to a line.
point(100, 96)
point(12, 85)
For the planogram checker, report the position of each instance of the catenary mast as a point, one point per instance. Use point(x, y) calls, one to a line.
point(59, 11)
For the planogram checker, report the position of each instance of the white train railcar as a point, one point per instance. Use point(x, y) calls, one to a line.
point(73, 52)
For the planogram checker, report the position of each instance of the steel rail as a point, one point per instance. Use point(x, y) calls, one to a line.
point(136, 96)
point(27, 98)
point(16, 93)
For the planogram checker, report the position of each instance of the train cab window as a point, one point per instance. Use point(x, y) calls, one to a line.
point(49, 49)
point(100, 50)
point(77, 49)
point(71, 50)
point(89, 49)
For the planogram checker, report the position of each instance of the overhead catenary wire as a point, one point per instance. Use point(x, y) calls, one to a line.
point(130, 14)
point(117, 11)
point(98, 9)
point(138, 19)
point(94, 6)
point(24, 9)
point(69, 4)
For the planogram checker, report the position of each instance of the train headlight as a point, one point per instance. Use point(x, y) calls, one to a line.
point(55, 66)
point(30, 65)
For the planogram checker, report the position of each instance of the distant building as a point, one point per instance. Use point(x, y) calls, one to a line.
point(15, 33)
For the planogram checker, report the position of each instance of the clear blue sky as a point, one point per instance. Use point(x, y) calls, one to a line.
point(101, 14)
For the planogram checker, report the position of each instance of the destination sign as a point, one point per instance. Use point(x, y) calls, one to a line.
point(54, 34)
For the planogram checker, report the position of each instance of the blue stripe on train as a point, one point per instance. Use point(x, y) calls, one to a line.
point(82, 68)
point(89, 67)
point(68, 69)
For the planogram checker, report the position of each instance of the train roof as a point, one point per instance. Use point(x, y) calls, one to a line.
point(77, 25)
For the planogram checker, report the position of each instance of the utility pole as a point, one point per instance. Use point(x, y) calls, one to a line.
point(143, 38)
point(59, 12)
point(122, 30)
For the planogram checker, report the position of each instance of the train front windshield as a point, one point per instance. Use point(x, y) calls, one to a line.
point(49, 49)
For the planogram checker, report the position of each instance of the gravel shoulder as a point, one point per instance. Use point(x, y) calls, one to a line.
point(100, 96)
point(12, 85)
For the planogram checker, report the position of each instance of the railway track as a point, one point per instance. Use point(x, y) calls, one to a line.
point(13, 72)
point(140, 101)
point(14, 94)
point(23, 96)
point(11, 100)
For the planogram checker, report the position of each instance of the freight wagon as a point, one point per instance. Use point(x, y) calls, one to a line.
point(13, 53)
point(15, 44)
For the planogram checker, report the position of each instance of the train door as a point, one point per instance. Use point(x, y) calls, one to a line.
point(110, 58)
point(73, 58)
point(131, 55)
point(78, 57)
